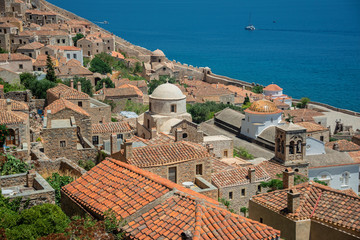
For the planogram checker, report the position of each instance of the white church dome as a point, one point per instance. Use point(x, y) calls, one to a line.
point(167, 91)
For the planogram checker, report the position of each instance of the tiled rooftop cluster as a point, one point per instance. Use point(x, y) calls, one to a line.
point(67, 92)
point(162, 208)
point(111, 127)
point(62, 104)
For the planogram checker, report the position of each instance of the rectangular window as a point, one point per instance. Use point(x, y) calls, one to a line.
point(226, 153)
point(120, 136)
point(58, 41)
point(243, 192)
point(261, 220)
point(74, 55)
point(322, 138)
point(21, 66)
point(80, 104)
point(230, 195)
point(150, 107)
point(173, 108)
point(95, 140)
point(259, 188)
point(62, 144)
point(68, 55)
point(172, 176)
point(63, 41)
point(199, 169)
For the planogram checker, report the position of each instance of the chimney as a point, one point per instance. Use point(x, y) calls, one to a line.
point(30, 176)
point(79, 86)
point(113, 143)
point(293, 200)
point(103, 119)
point(72, 83)
point(8, 105)
point(153, 132)
point(210, 148)
point(251, 174)
point(128, 149)
point(288, 178)
point(336, 146)
point(178, 134)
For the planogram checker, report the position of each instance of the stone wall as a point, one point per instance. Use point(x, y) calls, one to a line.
point(61, 165)
point(187, 131)
point(13, 180)
point(10, 77)
point(318, 229)
point(22, 96)
point(100, 114)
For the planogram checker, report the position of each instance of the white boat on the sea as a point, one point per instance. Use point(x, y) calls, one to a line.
point(250, 27)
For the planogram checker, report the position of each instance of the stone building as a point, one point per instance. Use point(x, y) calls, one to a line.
point(16, 62)
point(63, 138)
point(64, 109)
point(42, 17)
point(99, 112)
point(187, 131)
point(176, 212)
point(223, 146)
point(228, 119)
point(308, 211)
point(96, 43)
point(31, 49)
point(316, 131)
point(167, 107)
point(68, 52)
point(31, 187)
point(306, 115)
point(103, 131)
point(159, 66)
point(140, 84)
point(13, 115)
point(9, 76)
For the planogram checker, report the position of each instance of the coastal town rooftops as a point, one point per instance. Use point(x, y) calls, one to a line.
point(111, 127)
point(238, 176)
point(65, 48)
point(318, 202)
point(66, 70)
point(31, 46)
point(62, 104)
point(311, 126)
point(15, 105)
point(343, 146)
point(38, 12)
point(156, 208)
point(273, 87)
point(168, 153)
point(263, 107)
point(66, 92)
point(302, 115)
point(167, 91)
point(6, 57)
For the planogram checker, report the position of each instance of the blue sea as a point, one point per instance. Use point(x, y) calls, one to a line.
point(310, 48)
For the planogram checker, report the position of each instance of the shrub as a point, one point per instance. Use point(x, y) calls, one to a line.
point(98, 65)
point(13, 166)
point(138, 108)
point(57, 182)
point(87, 165)
point(257, 89)
point(86, 86)
point(77, 37)
point(242, 153)
point(108, 84)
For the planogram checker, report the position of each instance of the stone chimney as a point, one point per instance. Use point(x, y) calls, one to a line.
point(153, 132)
point(293, 200)
point(251, 174)
point(178, 134)
point(210, 148)
point(8, 105)
point(72, 83)
point(128, 149)
point(336, 146)
point(113, 143)
point(79, 86)
point(288, 178)
point(30, 176)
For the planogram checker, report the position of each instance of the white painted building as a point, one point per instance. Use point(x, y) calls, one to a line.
point(71, 52)
point(258, 117)
point(273, 91)
point(314, 147)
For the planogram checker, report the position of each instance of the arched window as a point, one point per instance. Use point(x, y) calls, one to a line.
point(298, 147)
point(291, 147)
point(185, 135)
point(278, 144)
point(282, 147)
point(345, 178)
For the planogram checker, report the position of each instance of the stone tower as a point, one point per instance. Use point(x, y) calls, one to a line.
point(290, 143)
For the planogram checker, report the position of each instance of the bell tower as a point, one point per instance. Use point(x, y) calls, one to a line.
point(290, 144)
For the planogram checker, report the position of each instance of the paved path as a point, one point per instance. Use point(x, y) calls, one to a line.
point(210, 129)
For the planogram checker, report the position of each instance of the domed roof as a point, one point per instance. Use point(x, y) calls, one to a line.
point(158, 53)
point(167, 91)
point(263, 106)
point(273, 87)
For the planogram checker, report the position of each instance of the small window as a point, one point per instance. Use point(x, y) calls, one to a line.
point(172, 175)
point(21, 66)
point(226, 153)
point(230, 195)
point(261, 220)
point(108, 48)
point(150, 107)
point(95, 140)
point(259, 188)
point(322, 138)
point(100, 121)
point(74, 55)
point(199, 169)
point(58, 41)
point(62, 144)
point(80, 104)
point(164, 69)
point(68, 55)
point(243, 192)
point(173, 108)
point(46, 52)
point(185, 135)
point(63, 41)
point(120, 136)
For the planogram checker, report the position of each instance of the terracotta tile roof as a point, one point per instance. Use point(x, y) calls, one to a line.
point(55, 26)
point(4, 57)
point(302, 115)
point(318, 202)
point(350, 192)
point(62, 104)
point(219, 166)
point(139, 84)
point(117, 55)
point(119, 92)
point(15, 105)
point(48, 33)
point(157, 155)
point(312, 127)
point(344, 145)
point(73, 63)
point(355, 156)
point(65, 70)
point(1, 86)
point(272, 87)
point(112, 127)
point(272, 168)
point(238, 176)
point(32, 46)
point(67, 92)
point(41, 60)
point(7, 25)
point(68, 48)
point(129, 86)
point(164, 210)
point(12, 117)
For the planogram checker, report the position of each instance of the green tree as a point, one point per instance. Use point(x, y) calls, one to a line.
point(290, 119)
point(246, 100)
point(77, 38)
point(50, 70)
point(244, 210)
point(57, 182)
point(13, 166)
point(303, 102)
point(86, 86)
point(138, 68)
point(257, 89)
point(98, 65)
point(108, 84)
point(320, 182)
